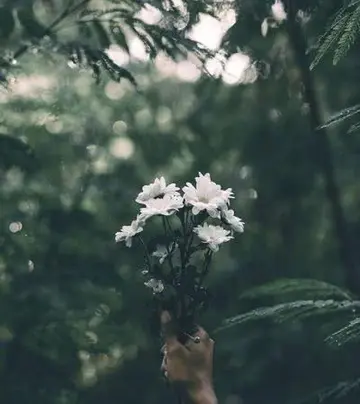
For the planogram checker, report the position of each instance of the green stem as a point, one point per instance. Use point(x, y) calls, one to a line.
point(207, 261)
point(169, 252)
point(147, 255)
point(187, 211)
point(182, 247)
point(188, 237)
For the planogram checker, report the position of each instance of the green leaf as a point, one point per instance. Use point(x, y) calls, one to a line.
point(115, 71)
point(349, 35)
point(296, 310)
point(335, 392)
point(341, 116)
point(348, 333)
point(330, 38)
point(101, 34)
point(119, 36)
point(354, 128)
point(305, 288)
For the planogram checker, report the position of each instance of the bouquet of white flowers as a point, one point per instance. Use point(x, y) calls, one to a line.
point(196, 220)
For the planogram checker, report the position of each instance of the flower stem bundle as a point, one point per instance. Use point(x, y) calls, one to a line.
point(196, 221)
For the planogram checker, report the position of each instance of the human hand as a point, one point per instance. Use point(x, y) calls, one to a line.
point(190, 364)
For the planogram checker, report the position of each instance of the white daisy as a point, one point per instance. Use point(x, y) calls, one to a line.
point(206, 196)
point(156, 189)
point(235, 222)
point(156, 285)
point(278, 11)
point(128, 232)
point(212, 235)
point(165, 206)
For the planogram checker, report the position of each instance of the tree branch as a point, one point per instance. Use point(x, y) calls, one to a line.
point(47, 31)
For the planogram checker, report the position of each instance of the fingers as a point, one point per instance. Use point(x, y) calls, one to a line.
point(202, 334)
point(163, 367)
point(199, 340)
point(163, 364)
point(169, 332)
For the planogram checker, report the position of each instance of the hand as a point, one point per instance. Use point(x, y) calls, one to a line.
point(191, 364)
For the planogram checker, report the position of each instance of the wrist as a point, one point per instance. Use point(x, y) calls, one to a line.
point(203, 394)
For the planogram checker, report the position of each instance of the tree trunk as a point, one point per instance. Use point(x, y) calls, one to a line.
point(323, 151)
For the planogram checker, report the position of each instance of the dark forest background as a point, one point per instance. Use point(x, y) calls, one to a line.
point(82, 129)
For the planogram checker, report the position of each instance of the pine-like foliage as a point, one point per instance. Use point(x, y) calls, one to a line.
point(298, 300)
point(341, 34)
point(304, 288)
point(337, 392)
point(343, 115)
point(329, 301)
point(91, 27)
point(296, 310)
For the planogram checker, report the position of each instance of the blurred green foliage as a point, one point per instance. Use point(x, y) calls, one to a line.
point(75, 323)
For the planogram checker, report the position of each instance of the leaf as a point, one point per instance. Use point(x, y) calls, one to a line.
point(335, 392)
point(346, 334)
point(341, 116)
point(101, 34)
point(299, 309)
point(119, 36)
point(354, 128)
point(329, 39)
point(349, 36)
point(115, 71)
point(353, 3)
point(147, 40)
point(306, 288)
point(341, 34)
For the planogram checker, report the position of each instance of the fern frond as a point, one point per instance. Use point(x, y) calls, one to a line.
point(296, 310)
point(341, 34)
point(306, 288)
point(340, 390)
point(353, 3)
point(354, 128)
point(330, 38)
point(349, 36)
point(349, 333)
point(335, 20)
point(341, 116)
point(97, 61)
point(99, 26)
